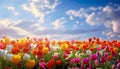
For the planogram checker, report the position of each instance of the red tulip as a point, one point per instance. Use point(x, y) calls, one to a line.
point(109, 57)
point(50, 64)
point(15, 50)
point(58, 62)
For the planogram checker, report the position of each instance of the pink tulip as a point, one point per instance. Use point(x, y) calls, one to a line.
point(42, 65)
point(82, 66)
point(65, 55)
point(96, 62)
point(118, 65)
point(106, 54)
point(91, 66)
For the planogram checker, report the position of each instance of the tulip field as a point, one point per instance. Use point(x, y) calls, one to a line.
point(38, 53)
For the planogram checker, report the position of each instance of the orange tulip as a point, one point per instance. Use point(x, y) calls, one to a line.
point(53, 43)
point(30, 63)
point(45, 50)
point(115, 49)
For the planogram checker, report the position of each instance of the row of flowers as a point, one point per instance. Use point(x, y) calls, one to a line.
point(33, 53)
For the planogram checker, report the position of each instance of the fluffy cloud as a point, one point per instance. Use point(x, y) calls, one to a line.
point(7, 27)
point(59, 23)
point(92, 19)
point(40, 8)
point(77, 13)
point(112, 21)
point(37, 27)
point(107, 16)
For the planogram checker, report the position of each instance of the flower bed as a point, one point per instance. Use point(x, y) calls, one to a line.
point(28, 53)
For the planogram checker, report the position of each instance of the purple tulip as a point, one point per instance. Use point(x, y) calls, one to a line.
point(76, 60)
point(94, 56)
point(85, 60)
point(103, 59)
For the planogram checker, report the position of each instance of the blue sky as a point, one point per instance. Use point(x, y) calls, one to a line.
point(60, 19)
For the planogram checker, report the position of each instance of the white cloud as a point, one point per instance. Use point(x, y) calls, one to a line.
point(107, 16)
point(15, 13)
point(107, 9)
point(90, 19)
point(94, 8)
point(113, 23)
point(7, 27)
point(59, 23)
point(116, 26)
point(40, 8)
point(10, 8)
point(71, 18)
point(37, 27)
point(25, 7)
point(77, 13)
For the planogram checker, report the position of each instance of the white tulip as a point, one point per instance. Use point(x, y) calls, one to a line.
point(54, 48)
point(33, 46)
point(9, 57)
point(3, 53)
point(9, 48)
point(88, 52)
point(101, 52)
point(26, 56)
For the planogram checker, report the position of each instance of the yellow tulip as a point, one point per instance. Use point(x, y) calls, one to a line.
point(81, 47)
point(16, 59)
point(30, 63)
point(43, 43)
point(64, 46)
